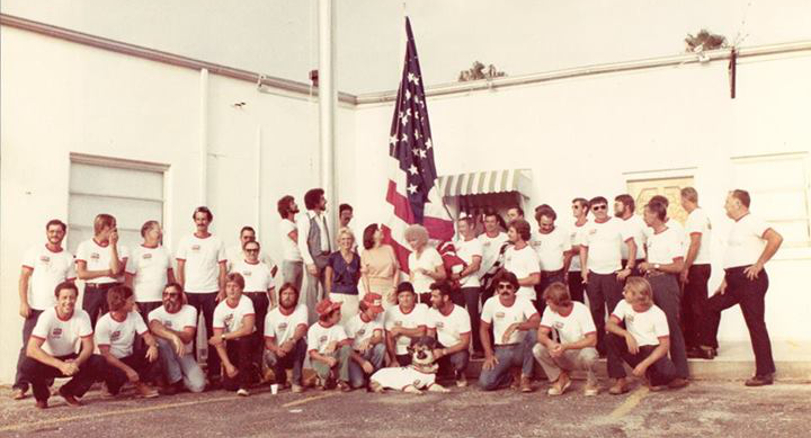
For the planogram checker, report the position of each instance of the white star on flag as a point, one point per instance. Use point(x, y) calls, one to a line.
point(408, 95)
point(429, 144)
point(412, 189)
point(413, 169)
point(393, 140)
point(421, 153)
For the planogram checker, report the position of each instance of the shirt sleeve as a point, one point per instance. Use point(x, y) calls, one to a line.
point(586, 321)
point(660, 324)
point(693, 224)
point(388, 320)
point(436, 258)
point(70, 273)
point(430, 319)
point(547, 318)
point(81, 252)
point(85, 328)
point(218, 321)
point(43, 327)
point(131, 267)
point(191, 318)
point(102, 333)
point(340, 333)
point(181, 250)
point(464, 323)
point(221, 255)
point(487, 310)
point(533, 262)
point(123, 252)
point(528, 308)
point(300, 316)
point(758, 226)
point(312, 339)
point(30, 258)
point(619, 310)
point(303, 233)
point(140, 327)
point(270, 328)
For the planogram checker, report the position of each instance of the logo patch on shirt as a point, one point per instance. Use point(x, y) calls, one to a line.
point(95, 256)
point(147, 256)
point(629, 318)
point(499, 314)
point(558, 325)
point(167, 324)
point(116, 335)
point(246, 273)
point(44, 259)
point(361, 332)
point(229, 319)
point(398, 323)
point(440, 325)
point(195, 247)
point(323, 339)
point(57, 332)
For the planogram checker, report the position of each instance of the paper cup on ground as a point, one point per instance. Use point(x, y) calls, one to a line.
point(274, 388)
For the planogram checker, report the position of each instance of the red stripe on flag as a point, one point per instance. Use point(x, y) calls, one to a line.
point(439, 229)
point(400, 251)
point(402, 208)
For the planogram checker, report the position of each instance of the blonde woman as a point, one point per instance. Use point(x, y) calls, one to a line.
point(424, 263)
point(342, 274)
point(380, 271)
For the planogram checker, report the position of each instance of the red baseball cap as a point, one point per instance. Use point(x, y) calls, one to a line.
point(326, 306)
point(373, 301)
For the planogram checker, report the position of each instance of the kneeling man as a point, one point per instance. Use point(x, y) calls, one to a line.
point(450, 324)
point(368, 342)
point(329, 347)
point(573, 345)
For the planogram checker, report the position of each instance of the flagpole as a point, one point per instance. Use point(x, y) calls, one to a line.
point(327, 101)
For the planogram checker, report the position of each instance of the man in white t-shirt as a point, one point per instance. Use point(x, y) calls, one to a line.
point(515, 325)
point(601, 263)
point(696, 274)
point(574, 278)
point(292, 262)
point(553, 246)
point(61, 345)
point(234, 337)
point(750, 245)
point(174, 325)
point(450, 325)
point(149, 269)
point(329, 347)
point(237, 252)
point(259, 286)
point(285, 337)
point(566, 341)
point(644, 341)
point(624, 209)
point(365, 329)
point(662, 268)
point(43, 267)
point(494, 244)
point(406, 321)
point(201, 270)
point(116, 332)
point(99, 262)
point(471, 251)
point(522, 260)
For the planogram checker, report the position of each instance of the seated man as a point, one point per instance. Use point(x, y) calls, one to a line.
point(51, 350)
point(174, 324)
point(329, 346)
point(368, 344)
point(403, 323)
point(515, 325)
point(573, 346)
point(645, 342)
point(450, 325)
point(234, 338)
point(285, 331)
point(115, 335)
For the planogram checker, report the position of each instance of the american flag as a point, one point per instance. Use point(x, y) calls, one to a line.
point(412, 189)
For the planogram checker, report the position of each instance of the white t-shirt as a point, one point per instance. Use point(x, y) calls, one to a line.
point(149, 267)
point(50, 269)
point(400, 377)
point(522, 263)
point(664, 247)
point(98, 258)
point(571, 328)
point(575, 234)
point(745, 242)
point(257, 277)
point(230, 318)
point(429, 260)
point(360, 330)
point(202, 258)
point(466, 250)
point(550, 248)
point(119, 335)
point(679, 228)
point(491, 246)
point(502, 317)
point(185, 317)
point(62, 337)
point(319, 337)
point(290, 250)
point(283, 327)
point(235, 255)
point(636, 227)
point(646, 327)
point(450, 328)
point(411, 320)
point(698, 222)
point(604, 241)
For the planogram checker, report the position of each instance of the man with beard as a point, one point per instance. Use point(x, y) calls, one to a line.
point(624, 207)
point(450, 325)
point(552, 245)
point(44, 266)
point(52, 350)
point(285, 337)
point(292, 262)
point(174, 325)
point(315, 246)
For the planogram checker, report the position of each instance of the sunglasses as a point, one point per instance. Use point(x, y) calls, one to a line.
point(599, 207)
point(171, 294)
point(252, 250)
point(505, 287)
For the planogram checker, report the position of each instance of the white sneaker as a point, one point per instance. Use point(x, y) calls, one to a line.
point(297, 389)
point(242, 392)
point(461, 381)
point(591, 390)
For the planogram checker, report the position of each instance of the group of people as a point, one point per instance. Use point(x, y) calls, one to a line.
point(508, 295)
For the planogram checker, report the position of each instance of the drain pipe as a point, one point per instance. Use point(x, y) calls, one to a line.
point(203, 182)
point(327, 101)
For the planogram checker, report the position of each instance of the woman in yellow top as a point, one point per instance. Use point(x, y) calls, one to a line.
point(380, 272)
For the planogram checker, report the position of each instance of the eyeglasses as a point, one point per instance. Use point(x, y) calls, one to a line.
point(505, 287)
point(251, 249)
point(599, 207)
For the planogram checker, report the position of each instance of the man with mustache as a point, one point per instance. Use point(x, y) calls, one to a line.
point(285, 337)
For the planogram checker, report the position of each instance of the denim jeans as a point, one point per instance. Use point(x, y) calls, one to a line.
point(177, 368)
point(375, 355)
point(205, 303)
point(509, 356)
point(343, 356)
point(293, 272)
point(294, 360)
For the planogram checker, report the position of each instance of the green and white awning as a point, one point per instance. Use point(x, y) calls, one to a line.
point(492, 181)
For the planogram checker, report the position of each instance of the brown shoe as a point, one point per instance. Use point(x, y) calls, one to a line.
point(526, 384)
point(516, 379)
point(69, 398)
point(618, 388)
point(18, 394)
point(145, 391)
point(678, 383)
point(343, 386)
point(760, 380)
point(42, 404)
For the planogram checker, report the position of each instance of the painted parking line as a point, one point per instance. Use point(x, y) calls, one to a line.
point(630, 403)
point(33, 425)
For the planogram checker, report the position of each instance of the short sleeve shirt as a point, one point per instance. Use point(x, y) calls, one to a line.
point(698, 222)
point(745, 243)
point(98, 258)
point(149, 266)
point(450, 328)
point(345, 275)
point(646, 327)
point(396, 318)
point(551, 248)
point(604, 241)
point(360, 331)
point(50, 269)
point(283, 327)
point(501, 317)
point(202, 257)
point(491, 248)
point(639, 230)
point(62, 337)
point(319, 337)
point(664, 247)
point(257, 277)
point(229, 318)
point(523, 263)
point(572, 327)
point(290, 250)
point(119, 335)
point(428, 260)
point(179, 321)
point(466, 250)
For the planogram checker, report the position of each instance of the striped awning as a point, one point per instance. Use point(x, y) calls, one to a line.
point(491, 181)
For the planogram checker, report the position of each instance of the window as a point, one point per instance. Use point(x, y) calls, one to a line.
point(778, 185)
point(131, 191)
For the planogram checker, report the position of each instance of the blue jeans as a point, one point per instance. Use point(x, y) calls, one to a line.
point(294, 360)
point(375, 355)
point(177, 368)
point(510, 356)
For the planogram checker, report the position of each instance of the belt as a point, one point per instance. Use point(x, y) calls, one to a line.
point(508, 345)
point(550, 273)
point(102, 286)
point(655, 273)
